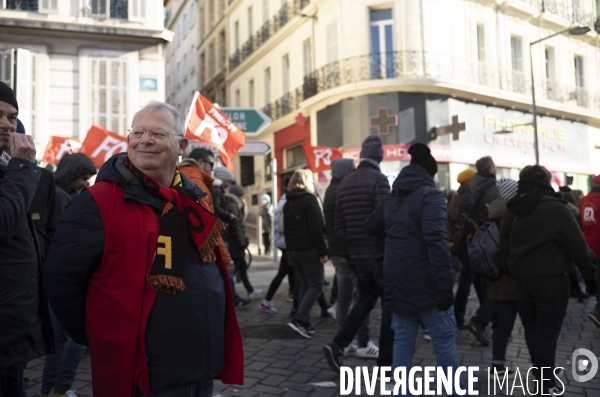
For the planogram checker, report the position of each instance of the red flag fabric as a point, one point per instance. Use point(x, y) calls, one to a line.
point(319, 158)
point(101, 144)
point(207, 124)
point(58, 146)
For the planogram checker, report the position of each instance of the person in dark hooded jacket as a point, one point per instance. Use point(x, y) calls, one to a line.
point(542, 240)
point(417, 264)
point(60, 368)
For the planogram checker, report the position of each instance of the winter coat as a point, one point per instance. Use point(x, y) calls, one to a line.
point(357, 197)
point(278, 233)
point(191, 169)
point(417, 265)
point(455, 233)
point(96, 278)
point(589, 211)
point(504, 287)
point(339, 170)
point(238, 241)
point(71, 167)
point(220, 204)
point(539, 237)
point(303, 222)
point(482, 191)
point(265, 214)
point(43, 211)
point(25, 327)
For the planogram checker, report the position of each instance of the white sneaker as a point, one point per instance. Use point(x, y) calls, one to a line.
point(255, 293)
point(426, 336)
point(267, 307)
point(350, 349)
point(331, 310)
point(70, 393)
point(370, 351)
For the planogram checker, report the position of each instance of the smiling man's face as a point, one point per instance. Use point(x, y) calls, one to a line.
point(8, 123)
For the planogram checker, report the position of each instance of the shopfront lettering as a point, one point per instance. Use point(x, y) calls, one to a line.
point(518, 127)
point(523, 143)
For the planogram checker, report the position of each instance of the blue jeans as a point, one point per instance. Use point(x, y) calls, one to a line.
point(202, 389)
point(442, 329)
point(60, 368)
point(11, 381)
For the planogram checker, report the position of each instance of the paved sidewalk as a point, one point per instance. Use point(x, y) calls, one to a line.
point(278, 362)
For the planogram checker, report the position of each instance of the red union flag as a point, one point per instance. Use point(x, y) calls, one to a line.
point(101, 144)
point(58, 146)
point(319, 158)
point(207, 124)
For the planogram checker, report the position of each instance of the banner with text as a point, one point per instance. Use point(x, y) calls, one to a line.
point(319, 158)
point(58, 146)
point(101, 144)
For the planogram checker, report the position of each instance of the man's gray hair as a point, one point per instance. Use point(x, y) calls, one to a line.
point(484, 163)
point(156, 106)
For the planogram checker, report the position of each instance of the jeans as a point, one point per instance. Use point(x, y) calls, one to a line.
point(60, 368)
point(11, 381)
point(203, 389)
point(442, 329)
point(464, 284)
point(242, 268)
point(310, 275)
point(347, 283)
point(506, 314)
point(546, 299)
point(334, 290)
point(284, 269)
point(369, 273)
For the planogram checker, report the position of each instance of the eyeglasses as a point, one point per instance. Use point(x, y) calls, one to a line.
point(155, 134)
point(212, 163)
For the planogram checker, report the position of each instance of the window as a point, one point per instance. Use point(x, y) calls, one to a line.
point(480, 43)
point(192, 63)
point(202, 69)
point(332, 44)
point(211, 13)
point(246, 170)
point(549, 63)
point(185, 66)
point(236, 35)
point(221, 8)
point(23, 5)
point(579, 72)
point(108, 93)
point(294, 157)
point(222, 49)
point(177, 74)
point(136, 9)
point(265, 16)
point(251, 93)
point(192, 14)
point(285, 72)
point(516, 53)
point(202, 22)
point(48, 6)
point(237, 99)
point(307, 57)
point(250, 27)
point(211, 59)
point(382, 46)
point(267, 86)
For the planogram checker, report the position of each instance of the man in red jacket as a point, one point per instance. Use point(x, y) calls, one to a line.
point(589, 210)
point(135, 272)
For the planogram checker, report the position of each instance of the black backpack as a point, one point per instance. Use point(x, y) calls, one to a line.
point(484, 251)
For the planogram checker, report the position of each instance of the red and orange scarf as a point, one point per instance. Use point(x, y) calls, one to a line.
point(182, 215)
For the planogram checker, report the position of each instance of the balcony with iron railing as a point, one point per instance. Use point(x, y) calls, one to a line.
point(288, 11)
point(435, 67)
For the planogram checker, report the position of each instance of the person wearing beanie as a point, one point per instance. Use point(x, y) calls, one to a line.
point(26, 328)
point(417, 262)
point(358, 194)
point(224, 175)
point(465, 176)
point(455, 223)
point(590, 221)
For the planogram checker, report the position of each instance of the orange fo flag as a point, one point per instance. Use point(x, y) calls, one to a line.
point(208, 125)
point(58, 146)
point(319, 158)
point(101, 144)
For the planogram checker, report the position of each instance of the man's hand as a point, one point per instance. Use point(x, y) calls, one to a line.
point(230, 267)
point(233, 217)
point(324, 258)
point(21, 146)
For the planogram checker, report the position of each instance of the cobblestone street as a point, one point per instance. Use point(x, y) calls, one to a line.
point(278, 362)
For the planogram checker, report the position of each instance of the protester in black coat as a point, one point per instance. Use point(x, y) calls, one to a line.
point(43, 211)
point(306, 247)
point(72, 175)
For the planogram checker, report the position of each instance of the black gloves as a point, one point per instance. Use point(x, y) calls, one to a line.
point(447, 299)
point(591, 286)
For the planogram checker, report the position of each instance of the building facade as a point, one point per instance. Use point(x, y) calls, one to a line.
point(454, 74)
point(82, 62)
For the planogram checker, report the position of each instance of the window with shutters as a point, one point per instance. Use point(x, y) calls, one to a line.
point(108, 93)
point(23, 5)
point(222, 49)
point(202, 69)
point(99, 8)
point(202, 22)
point(332, 42)
point(211, 60)
point(136, 10)
point(48, 6)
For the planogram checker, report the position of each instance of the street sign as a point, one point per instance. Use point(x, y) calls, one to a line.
point(254, 148)
point(250, 120)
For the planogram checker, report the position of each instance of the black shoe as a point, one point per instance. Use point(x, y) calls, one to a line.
point(299, 328)
point(478, 334)
point(326, 282)
point(293, 313)
point(242, 302)
point(333, 356)
point(309, 329)
point(324, 314)
point(462, 326)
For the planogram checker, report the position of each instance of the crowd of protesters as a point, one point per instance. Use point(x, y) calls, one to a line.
point(141, 266)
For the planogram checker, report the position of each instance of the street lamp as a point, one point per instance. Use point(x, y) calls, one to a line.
point(573, 31)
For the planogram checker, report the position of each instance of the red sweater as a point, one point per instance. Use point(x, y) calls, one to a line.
point(120, 299)
point(589, 210)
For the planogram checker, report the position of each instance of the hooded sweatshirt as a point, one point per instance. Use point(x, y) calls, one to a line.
point(340, 168)
point(70, 167)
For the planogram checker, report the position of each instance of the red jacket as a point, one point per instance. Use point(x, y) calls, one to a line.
point(120, 299)
point(589, 210)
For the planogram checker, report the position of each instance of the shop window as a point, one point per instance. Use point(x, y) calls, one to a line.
point(247, 170)
point(294, 157)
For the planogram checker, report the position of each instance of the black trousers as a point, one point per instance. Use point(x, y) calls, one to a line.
point(242, 268)
point(284, 269)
